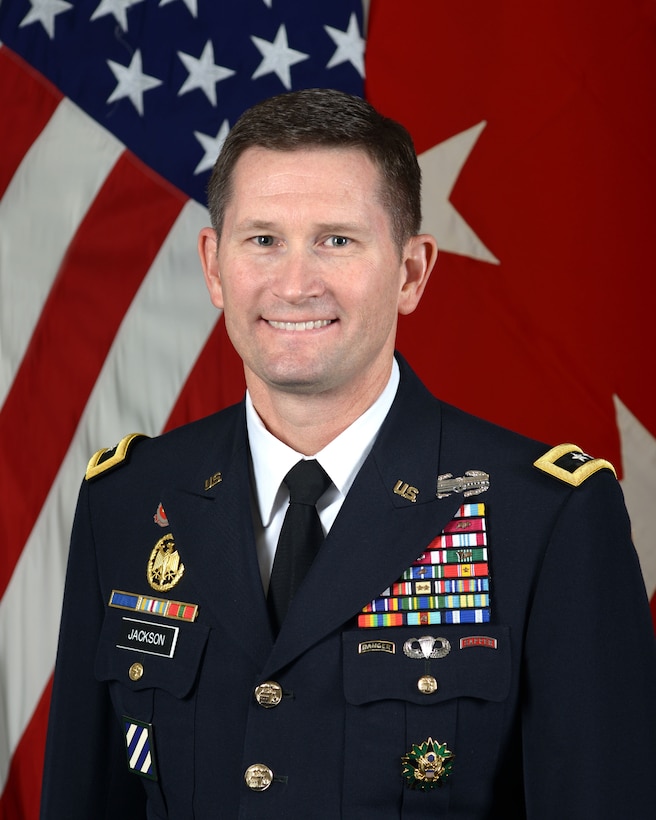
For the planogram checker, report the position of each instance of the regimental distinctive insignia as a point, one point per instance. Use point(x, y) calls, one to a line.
point(160, 516)
point(140, 747)
point(570, 464)
point(164, 565)
point(473, 482)
point(427, 765)
point(449, 583)
point(105, 460)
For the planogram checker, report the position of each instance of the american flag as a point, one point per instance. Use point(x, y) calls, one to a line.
point(535, 125)
point(113, 112)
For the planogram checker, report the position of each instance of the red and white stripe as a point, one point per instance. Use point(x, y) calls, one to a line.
point(92, 347)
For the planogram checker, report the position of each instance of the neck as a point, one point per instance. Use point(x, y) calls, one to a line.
point(309, 422)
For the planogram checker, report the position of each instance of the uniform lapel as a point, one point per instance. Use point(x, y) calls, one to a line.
point(390, 516)
point(378, 532)
point(214, 530)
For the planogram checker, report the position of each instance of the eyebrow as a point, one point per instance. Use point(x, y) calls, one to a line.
point(334, 228)
point(255, 225)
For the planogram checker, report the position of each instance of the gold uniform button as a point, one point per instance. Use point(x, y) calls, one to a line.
point(258, 777)
point(268, 694)
point(427, 685)
point(135, 671)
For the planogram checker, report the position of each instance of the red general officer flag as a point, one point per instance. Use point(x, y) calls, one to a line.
point(536, 126)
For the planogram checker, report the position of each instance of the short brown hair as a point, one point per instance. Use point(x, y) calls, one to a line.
point(326, 118)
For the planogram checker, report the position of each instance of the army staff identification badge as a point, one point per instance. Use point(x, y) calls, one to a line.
point(164, 565)
point(427, 765)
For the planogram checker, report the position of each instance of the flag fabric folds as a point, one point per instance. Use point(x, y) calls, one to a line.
point(113, 112)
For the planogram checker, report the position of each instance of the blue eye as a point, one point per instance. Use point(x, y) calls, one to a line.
point(264, 241)
point(338, 241)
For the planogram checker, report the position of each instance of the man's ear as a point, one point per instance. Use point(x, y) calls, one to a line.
point(208, 251)
point(419, 256)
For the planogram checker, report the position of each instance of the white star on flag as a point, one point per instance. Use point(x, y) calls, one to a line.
point(203, 73)
point(639, 467)
point(350, 46)
point(441, 166)
point(80, 137)
point(44, 12)
point(192, 5)
point(132, 82)
point(277, 57)
point(116, 7)
point(211, 146)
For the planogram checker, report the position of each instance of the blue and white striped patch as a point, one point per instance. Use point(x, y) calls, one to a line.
point(140, 747)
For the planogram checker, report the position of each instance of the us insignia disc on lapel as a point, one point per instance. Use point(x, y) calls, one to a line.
point(427, 765)
point(164, 565)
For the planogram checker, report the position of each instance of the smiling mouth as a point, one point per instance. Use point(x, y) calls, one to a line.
point(296, 326)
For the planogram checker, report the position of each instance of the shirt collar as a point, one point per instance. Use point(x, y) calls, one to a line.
point(341, 458)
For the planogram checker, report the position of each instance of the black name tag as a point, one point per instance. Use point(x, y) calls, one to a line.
point(143, 636)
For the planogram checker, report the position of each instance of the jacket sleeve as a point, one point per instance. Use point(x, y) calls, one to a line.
point(589, 710)
point(85, 771)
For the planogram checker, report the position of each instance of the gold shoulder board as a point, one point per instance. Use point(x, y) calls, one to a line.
point(570, 464)
point(105, 459)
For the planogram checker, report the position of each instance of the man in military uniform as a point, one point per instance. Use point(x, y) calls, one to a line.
point(471, 639)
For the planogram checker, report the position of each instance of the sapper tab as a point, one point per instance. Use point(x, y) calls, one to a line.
point(108, 459)
point(570, 464)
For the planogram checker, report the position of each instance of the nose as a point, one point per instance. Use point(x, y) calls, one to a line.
point(297, 276)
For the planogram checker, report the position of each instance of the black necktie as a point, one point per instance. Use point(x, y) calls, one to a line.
point(300, 537)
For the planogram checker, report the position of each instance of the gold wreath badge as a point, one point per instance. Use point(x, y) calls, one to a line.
point(164, 565)
point(427, 765)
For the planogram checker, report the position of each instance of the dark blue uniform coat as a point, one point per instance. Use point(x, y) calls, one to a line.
point(557, 721)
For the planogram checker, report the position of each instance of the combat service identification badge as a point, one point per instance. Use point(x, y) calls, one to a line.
point(164, 565)
point(140, 748)
point(427, 765)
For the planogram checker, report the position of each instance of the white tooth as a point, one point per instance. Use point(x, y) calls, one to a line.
point(298, 326)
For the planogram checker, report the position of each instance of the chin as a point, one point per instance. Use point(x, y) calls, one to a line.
point(297, 385)
point(296, 380)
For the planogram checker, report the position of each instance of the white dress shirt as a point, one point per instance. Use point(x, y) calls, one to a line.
point(341, 459)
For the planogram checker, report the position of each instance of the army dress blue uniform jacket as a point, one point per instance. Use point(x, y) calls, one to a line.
point(549, 708)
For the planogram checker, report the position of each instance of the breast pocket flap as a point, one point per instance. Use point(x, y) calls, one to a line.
point(424, 665)
point(143, 652)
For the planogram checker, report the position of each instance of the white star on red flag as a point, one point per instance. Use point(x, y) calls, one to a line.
point(441, 166)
